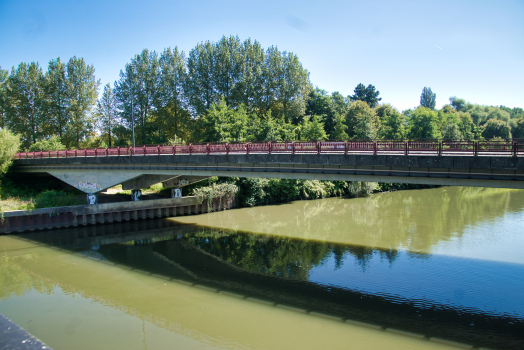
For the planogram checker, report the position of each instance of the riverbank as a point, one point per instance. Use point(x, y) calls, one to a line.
point(73, 216)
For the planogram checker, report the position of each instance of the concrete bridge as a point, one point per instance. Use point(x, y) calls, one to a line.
point(93, 174)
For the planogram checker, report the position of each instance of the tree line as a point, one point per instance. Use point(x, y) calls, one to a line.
point(230, 90)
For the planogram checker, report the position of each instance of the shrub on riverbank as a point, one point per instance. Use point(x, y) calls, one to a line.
point(255, 191)
point(9, 145)
point(52, 198)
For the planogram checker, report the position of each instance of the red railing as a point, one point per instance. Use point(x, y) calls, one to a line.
point(400, 147)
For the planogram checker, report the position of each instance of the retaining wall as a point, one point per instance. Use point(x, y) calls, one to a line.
point(51, 218)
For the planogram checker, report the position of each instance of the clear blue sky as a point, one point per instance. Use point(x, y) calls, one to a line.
point(470, 49)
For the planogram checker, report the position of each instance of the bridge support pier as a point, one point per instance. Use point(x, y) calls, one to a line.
point(176, 193)
point(136, 195)
point(92, 198)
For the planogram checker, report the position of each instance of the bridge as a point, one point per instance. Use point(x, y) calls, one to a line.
point(449, 163)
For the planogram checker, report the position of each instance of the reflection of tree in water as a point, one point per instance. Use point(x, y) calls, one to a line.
point(413, 220)
point(15, 281)
point(281, 256)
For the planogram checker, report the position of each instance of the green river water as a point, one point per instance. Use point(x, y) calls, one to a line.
point(419, 269)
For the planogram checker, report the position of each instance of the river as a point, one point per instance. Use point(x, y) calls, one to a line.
point(419, 269)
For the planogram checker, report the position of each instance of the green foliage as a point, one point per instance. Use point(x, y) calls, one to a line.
point(458, 103)
point(313, 129)
point(428, 98)
point(9, 145)
point(242, 73)
point(362, 121)
point(393, 124)
point(26, 109)
point(53, 144)
point(518, 130)
point(423, 123)
point(339, 130)
point(107, 114)
point(496, 128)
point(330, 108)
point(366, 94)
point(51, 198)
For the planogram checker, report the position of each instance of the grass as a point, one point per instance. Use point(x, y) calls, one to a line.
point(153, 189)
point(19, 193)
point(15, 203)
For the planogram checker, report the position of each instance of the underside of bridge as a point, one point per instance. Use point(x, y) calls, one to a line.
point(92, 175)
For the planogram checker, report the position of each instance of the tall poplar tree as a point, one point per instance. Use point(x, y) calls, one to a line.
point(200, 81)
point(83, 89)
point(139, 82)
point(171, 116)
point(4, 101)
point(428, 98)
point(57, 97)
point(107, 113)
point(26, 102)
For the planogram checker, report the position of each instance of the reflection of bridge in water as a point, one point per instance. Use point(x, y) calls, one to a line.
point(278, 275)
point(454, 163)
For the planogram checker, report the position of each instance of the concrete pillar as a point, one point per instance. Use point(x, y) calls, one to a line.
point(136, 195)
point(92, 198)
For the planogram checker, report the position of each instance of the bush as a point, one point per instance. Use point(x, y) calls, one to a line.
point(51, 198)
point(9, 145)
point(53, 144)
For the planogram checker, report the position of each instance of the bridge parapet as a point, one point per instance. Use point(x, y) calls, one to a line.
point(374, 147)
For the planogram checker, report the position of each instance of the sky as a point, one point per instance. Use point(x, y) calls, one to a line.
point(470, 49)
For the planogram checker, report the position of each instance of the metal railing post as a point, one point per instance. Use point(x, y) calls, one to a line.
point(346, 147)
point(269, 147)
point(207, 148)
point(375, 148)
point(318, 147)
point(190, 148)
point(440, 148)
point(293, 147)
point(227, 147)
point(514, 148)
point(158, 149)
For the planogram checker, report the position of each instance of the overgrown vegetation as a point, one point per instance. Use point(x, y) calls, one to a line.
point(52, 198)
point(256, 191)
point(23, 193)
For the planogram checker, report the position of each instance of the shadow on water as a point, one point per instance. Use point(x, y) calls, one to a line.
point(463, 300)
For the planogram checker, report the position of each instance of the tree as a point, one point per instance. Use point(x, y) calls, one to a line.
point(328, 107)
point(9, 145)
point(458, 103)
point(53, 144)
point(83, 90)
point(423, 124)
point(171, 115)
point(4, 101)
point(361, 120)
point(339, 130)
point(496, 128)
point(57, 97)
point(312, 128)
point(138, 87)
point(367, 94)
point(242, 73)
point(26, 112)
point(392, 122)
point(428, 98)
point(518, 130)
point(107, 113)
